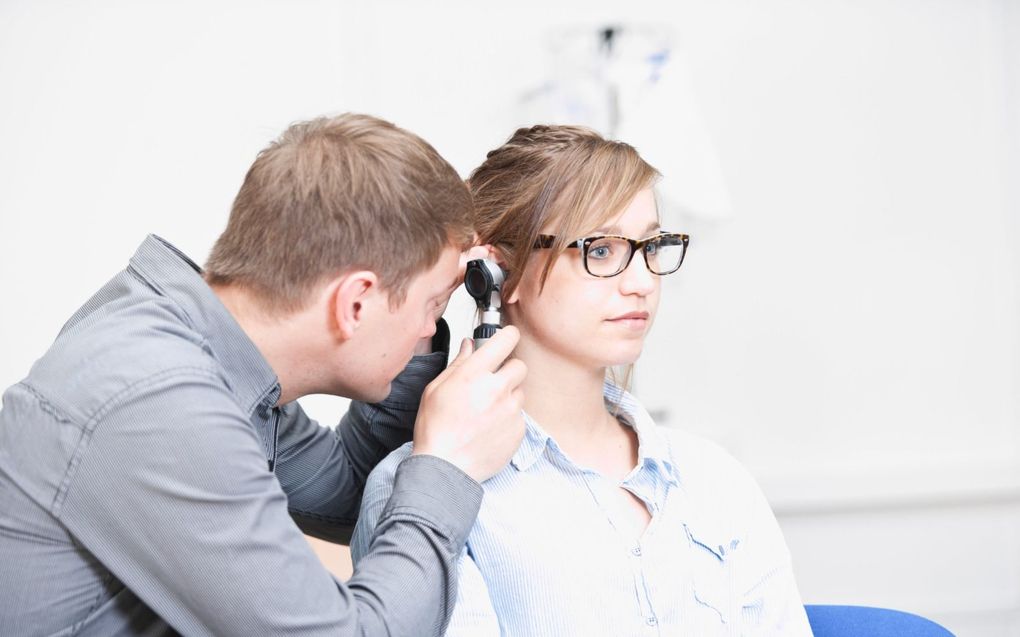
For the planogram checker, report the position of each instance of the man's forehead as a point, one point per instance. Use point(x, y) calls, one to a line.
point(446, 285)
point(445, 274)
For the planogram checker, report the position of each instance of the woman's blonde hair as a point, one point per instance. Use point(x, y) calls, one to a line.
point(565, 180)
point(560, 180)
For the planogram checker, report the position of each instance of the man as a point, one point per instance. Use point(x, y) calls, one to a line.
point(153, 463)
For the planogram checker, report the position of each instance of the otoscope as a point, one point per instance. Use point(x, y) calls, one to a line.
point(484, 280)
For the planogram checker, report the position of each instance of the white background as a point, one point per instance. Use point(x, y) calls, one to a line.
point(852, 332)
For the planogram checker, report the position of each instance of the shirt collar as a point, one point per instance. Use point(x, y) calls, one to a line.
point(653, 447)
point(532, 445)
point(171, 273)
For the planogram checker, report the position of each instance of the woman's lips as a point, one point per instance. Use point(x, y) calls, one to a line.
point(631, 320)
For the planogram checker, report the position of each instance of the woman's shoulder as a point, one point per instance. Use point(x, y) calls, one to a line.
point(702, 463)
point(694, 456)
point(688, 447)
point(723, 501)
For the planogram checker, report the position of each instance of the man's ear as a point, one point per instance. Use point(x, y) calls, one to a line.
point(353, 293)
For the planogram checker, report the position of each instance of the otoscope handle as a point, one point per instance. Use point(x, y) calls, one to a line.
point(484, 332)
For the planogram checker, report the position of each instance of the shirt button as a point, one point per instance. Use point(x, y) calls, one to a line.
point(651, 621)
point(636, 551)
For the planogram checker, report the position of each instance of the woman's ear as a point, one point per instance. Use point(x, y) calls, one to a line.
point(499, 257)
point(513, 298)
point(350, 300)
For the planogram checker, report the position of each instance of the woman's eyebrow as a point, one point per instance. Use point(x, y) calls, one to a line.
point(655, 225)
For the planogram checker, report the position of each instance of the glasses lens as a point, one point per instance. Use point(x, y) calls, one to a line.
point(607, 256)
point(664, 254)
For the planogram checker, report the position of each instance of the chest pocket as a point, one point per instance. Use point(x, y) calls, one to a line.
point(716, 602)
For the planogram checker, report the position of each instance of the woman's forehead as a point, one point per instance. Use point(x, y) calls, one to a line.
point(640, 215)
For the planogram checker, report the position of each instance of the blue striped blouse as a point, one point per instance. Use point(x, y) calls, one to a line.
point(545, 556)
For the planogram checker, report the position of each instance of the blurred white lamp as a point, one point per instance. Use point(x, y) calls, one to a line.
point(633, 84)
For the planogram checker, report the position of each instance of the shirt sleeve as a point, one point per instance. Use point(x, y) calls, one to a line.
point(469, 607)
point(173, 495)
point(771, 603)
point(378, 490)
point(323, 470)
point(473, 614)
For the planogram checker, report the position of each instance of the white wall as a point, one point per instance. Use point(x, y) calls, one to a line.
point(851, 333)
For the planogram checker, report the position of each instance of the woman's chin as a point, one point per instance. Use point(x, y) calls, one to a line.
point(625, 356)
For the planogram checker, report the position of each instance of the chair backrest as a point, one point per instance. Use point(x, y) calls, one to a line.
point(864, 621)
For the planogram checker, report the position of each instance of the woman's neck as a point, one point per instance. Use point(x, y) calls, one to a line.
point(565, 398)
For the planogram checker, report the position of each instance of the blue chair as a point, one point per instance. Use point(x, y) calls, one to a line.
point(863, 621)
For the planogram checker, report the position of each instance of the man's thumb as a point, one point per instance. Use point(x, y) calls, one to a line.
point(466, 348)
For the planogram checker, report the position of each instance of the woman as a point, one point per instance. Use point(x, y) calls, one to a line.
point(602, 523)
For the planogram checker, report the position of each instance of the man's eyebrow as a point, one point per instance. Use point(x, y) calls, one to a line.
point(449, 288)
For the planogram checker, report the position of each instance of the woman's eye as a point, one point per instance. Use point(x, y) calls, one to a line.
point(599, 252)
point(651, 248)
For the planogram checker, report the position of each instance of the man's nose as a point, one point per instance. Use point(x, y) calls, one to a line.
point(430, 326)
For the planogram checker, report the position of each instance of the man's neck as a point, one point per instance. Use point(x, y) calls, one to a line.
point(282, 339)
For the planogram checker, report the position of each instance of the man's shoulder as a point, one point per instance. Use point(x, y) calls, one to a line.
point(109, 354)
point(115, 347)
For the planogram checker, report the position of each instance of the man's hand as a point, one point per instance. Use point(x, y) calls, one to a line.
point(470, 415)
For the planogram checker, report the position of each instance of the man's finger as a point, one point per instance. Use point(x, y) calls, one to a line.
point(472, 253)
point(517, 396)
point(512, 373)
point(479, 252)
point(466, 347)
point(483, 392)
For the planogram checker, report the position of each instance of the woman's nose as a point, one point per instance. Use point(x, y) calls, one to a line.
point(636, 278)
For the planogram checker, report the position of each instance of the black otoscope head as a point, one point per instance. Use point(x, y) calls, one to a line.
point(484, 280)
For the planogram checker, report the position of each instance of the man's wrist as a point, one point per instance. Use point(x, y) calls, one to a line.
point(429, 487)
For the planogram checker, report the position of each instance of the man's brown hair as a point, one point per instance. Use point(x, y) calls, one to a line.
point(336, 194)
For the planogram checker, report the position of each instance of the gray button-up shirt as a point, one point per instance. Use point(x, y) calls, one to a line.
point(149, 484)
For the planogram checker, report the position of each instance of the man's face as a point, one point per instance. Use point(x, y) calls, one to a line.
point(390, 335)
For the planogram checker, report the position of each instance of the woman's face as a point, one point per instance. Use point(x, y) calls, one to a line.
point(596, 322)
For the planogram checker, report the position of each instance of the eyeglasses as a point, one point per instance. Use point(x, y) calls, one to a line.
point(608, 255)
